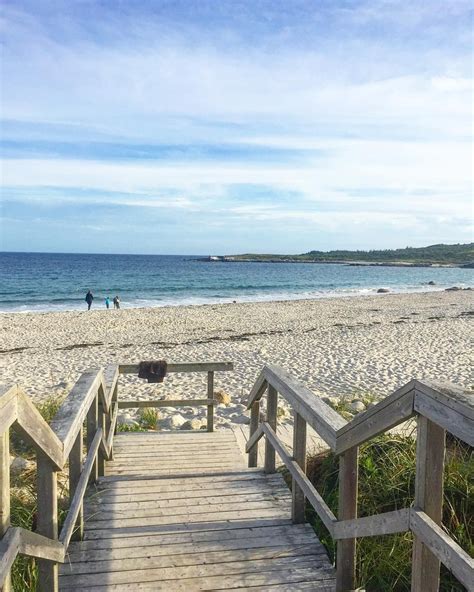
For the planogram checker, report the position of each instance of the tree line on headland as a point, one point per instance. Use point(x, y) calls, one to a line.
point(458, 255)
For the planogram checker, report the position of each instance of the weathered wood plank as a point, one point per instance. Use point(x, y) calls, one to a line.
point(454, 421)
point(185, 572)
point(281, 538)
point(271, 420)
point(47, 521)
point(9, 549)
point(75, 469)
point(430, 451)
point(92, 419)
point(8, 406)
point(258, 389)
point(76, 505)
point(347, 510)
point(125, 404)
point(210, 396)
point(35, 430)
point(253, 449)
point(72, 413)
point(36, 545)
point(322, 418)
point(386, 414)
point(289, 576)
point(183, 560)
point(299, 455)
point(310, 492)
point(443, 547)
point(184, 367)
point(386, 523)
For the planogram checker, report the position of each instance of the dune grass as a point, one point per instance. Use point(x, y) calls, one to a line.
point(386, 483)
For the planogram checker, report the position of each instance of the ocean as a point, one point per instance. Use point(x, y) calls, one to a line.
point(39, 282)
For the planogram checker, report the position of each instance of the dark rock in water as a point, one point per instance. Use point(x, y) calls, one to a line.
point(453, 289)
point(432, 283)
point(382, 290)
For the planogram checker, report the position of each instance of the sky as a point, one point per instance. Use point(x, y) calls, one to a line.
point(232, 126)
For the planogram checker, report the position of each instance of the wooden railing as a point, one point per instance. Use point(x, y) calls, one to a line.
point(437, 407)
point(93, 402)
point(210, 402)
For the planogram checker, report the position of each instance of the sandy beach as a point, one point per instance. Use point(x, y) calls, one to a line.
point(337, 347)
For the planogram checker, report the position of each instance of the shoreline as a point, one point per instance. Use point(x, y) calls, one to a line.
point(275, 298)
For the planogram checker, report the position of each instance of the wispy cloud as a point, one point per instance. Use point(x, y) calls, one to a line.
point(303, 116)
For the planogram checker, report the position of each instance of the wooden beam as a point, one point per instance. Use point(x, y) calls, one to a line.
point(259, 387)
point(5, 497)
point(443, 547)
point(47, 520)
point(380, 524)
point(430, 450)
point(254, 420)
point(36, 431)
point(386, 414)
point(92, 425)
point(184, 367)
point(255, 437)
point(75, 469)
point(9, 549)
point(346, 548)
point(72, 413)
point(271, 419)
point(76, 504)
point(322, 418)
point(312, 495)
point(36, 545)
point(299, 455)
point(210, 395)
point(454, 415)
point(8, 406)
point(166, 403)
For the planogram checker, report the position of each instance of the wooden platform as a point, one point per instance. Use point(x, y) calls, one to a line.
point(180, 511)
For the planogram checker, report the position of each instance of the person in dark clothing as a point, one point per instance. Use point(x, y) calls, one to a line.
point(89, 299)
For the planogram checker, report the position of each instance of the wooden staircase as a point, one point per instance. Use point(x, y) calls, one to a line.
point(181, 512)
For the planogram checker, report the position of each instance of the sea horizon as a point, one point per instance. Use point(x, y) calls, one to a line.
point(48, 282)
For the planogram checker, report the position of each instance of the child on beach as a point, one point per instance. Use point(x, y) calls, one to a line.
point(107, 303)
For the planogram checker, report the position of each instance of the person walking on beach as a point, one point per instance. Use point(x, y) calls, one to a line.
point(107, 303)
point(116, 302)
point(89, 299)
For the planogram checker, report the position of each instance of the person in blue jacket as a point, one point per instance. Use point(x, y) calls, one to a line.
point(107, 302)
point(89, 299)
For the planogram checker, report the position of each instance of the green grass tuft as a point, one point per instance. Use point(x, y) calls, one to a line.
point(387, 482)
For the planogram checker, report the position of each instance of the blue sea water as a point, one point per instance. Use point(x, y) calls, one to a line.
point(45, 281)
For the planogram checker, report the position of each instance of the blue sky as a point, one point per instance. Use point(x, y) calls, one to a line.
point(230, 126)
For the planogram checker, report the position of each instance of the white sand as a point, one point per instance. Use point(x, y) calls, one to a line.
point(337, 347)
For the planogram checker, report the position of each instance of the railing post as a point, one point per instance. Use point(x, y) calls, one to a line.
point(299, 454)
point(254, 419)
point(75, 468)
point(430, 451)
point(115, 399)
point(101, 423)
point(346, 549)
point(92, 421)
point(47, 519)
point(272, 403)
point(210, 395)
point(5, 492)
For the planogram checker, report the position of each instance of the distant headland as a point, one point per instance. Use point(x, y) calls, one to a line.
point(458, 255)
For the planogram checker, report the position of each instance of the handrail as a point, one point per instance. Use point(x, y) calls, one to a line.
point(439, 407)
point(210, 402)
point(94, 399)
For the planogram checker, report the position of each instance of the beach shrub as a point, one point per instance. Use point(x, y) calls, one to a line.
point(149, 417)
point(387, 482)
